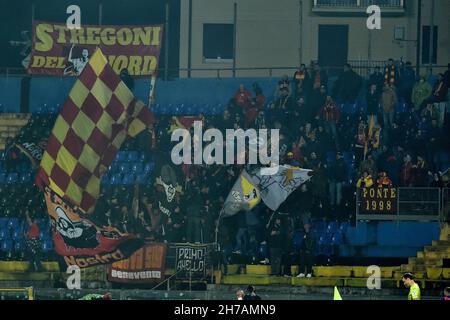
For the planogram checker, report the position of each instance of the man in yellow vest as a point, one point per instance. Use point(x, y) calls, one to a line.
point(414, 289)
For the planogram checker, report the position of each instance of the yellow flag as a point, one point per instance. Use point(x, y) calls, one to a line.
point(337, 295)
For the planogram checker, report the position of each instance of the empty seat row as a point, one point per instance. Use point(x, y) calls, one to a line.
point(125, 179)
point(15, 177)
point(11, 246)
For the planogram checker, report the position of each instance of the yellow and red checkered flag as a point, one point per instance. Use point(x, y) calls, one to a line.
point(95, 120)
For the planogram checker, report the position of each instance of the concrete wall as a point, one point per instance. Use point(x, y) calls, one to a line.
point(269, 34)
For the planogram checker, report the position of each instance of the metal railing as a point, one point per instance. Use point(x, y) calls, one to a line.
point(362, 67)
point(412, 204)
point(445, 208)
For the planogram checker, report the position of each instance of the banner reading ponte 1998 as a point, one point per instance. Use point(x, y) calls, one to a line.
point(58, 50)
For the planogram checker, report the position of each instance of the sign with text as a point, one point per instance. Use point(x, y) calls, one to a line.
point(191, 260)
point(60, 51)
point(147, 265)
point(379, 200)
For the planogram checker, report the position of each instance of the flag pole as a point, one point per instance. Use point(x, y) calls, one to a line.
point(217, 228)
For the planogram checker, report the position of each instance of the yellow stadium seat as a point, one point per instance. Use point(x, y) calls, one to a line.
point(434, 273)
point(258, 269)
point(334, 271)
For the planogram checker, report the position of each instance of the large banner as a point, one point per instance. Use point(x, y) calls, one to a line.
point(60, 51)
point(81, 241)
point(191, 260)
point(147, 265)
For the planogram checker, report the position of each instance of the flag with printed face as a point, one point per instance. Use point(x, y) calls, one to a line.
point(243, 196)
point(95, 120)
point(275, 184)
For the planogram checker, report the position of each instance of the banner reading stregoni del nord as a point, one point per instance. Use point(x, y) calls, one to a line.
point(58, 50)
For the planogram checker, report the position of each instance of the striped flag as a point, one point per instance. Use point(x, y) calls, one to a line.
point(95, 120)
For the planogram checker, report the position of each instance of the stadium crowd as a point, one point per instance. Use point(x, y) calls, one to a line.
point(350, 132)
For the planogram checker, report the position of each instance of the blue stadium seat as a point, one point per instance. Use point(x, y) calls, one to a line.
point(124, 167)
point(105, 179)
point(337, 239)
point(325, 238)
point(25, 178)
point(19, 246)
point(141, 156)
point(6, 245)
point(12, 178)
point(133, 156)
point(333, 227)
point(17, 235)
point(5, 233)
point(3, 222)
point(325, 249)
point(116, 179)
point(121, 156)
point(47, 245)
point(2, 178)
point(13, 223)
point(137, 167)
point(148, 167)
point(45, 235)
point(128, 179)
point(343, 227)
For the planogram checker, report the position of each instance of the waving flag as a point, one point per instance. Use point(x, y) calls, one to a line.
point(94, 122)
point(96, 119)
point(243, 196)
point(276, 187)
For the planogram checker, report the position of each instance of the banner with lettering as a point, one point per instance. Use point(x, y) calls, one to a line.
point(60, 51)
point(147, 265)
point(379, 200)
point(191, 260)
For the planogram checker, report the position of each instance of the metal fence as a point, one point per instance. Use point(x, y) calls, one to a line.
point(445, 208)
point(412, 204)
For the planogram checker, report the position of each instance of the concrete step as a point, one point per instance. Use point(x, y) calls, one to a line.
point(441, 243)
point(13, 122)
point(425, 262)
point(412, 268)
point(433, 255)
point(437, 249)
point(8, 115)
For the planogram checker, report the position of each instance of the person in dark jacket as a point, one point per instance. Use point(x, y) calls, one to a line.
point(347, 87)
point(407, 81)
point(276, 243)
point(377, 78)
point(439, 98)
point(373, 103)
point(337, 176)
point(307, 252)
